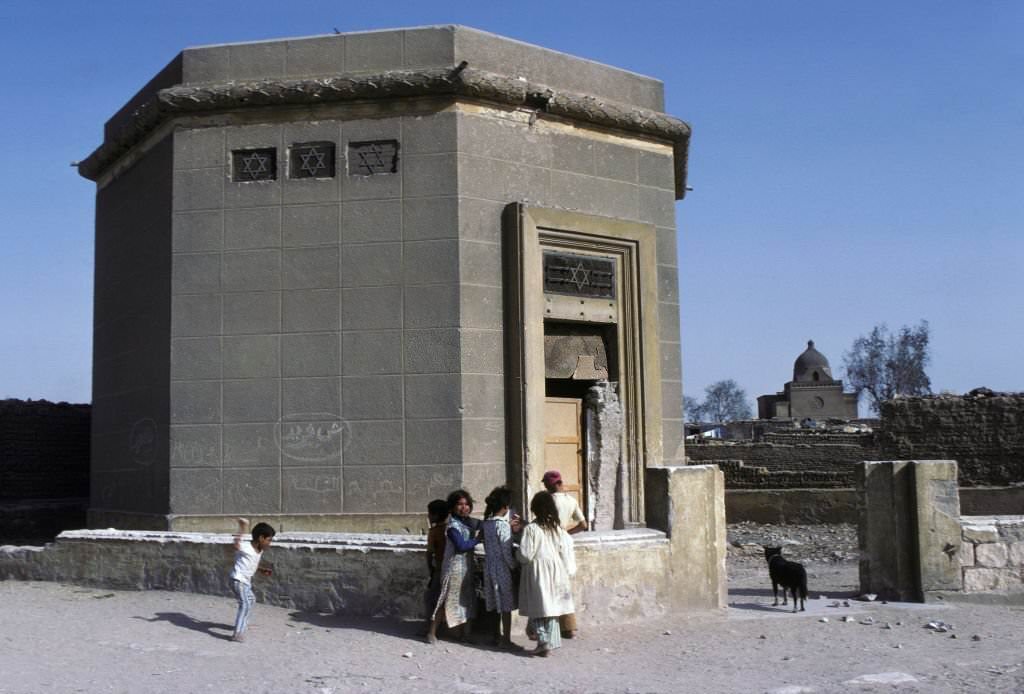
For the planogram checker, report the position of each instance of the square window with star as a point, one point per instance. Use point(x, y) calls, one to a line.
point(311, 160)
point(254, 165)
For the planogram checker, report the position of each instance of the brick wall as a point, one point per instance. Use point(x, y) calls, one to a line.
point(44, 450)
point(804, 460)
point(740, 475)
point(983, 431)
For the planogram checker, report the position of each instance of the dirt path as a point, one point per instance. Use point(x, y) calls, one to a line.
point(71, 639)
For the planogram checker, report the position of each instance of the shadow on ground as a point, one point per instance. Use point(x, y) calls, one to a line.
point(180, 619)
point(413, 630)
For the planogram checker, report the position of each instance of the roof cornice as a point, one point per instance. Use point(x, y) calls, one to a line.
point(458, 81)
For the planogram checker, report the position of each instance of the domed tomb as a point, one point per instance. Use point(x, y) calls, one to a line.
point(813, 393)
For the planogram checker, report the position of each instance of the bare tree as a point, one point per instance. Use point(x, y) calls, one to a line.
point(691, 409)
point(884, 364)
point(724, 401)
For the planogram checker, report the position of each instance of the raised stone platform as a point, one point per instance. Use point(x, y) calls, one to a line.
point(623, 574)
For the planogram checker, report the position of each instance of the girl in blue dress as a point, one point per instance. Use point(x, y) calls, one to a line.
point(500, 562)
point(457, 602)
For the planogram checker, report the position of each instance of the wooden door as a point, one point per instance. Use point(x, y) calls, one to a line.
point(563, 444)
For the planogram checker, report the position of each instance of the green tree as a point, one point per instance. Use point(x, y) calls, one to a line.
point(884, 365)
point(724, 401)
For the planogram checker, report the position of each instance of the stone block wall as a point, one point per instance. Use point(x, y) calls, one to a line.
point(791, 506)
point(131, 331)
point(992, 554)
point(504, 157)
point(622, 576)
point(803, 461)
point(816, 437)
point(331, 344)
point(739, 475)
point(983, 431)
point(353, 357)
point(44, 468)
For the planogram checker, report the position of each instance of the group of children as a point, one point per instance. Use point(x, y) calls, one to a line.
point(526, 567)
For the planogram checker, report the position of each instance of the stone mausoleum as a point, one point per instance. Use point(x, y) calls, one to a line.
point(813, 393)
point(339, 276)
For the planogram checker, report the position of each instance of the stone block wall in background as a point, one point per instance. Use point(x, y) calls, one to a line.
point(44, 468)
point(44, 450)
point(803, 461)
point(983, 431)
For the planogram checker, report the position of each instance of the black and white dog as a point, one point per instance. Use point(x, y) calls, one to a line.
point(788, 574)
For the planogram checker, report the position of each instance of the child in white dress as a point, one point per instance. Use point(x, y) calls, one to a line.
point(549, 563)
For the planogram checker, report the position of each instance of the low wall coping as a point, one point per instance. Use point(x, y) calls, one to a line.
point(591, 540)
point(343, 540)
point(616, 538)
point(991, 520)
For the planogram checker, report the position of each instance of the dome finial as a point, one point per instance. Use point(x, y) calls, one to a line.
point(809, 363)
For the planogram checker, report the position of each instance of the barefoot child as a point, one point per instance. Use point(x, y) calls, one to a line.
point(457, 602)
point(499, 562)
point(247, 562)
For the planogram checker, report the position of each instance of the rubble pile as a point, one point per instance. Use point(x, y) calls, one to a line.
point(803, 543)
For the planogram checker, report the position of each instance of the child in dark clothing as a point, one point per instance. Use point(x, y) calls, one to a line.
point(437, 514)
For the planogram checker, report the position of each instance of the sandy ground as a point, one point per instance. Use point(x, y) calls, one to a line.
point(65, 638)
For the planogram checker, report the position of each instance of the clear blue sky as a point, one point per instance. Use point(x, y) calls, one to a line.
point(852, 163)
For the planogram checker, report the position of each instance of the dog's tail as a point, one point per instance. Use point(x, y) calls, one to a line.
point(803, 584)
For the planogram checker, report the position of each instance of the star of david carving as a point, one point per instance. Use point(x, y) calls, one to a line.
point(256, 165)
point(576, 275)
point(313, 161)
point(371, 157)
point(579, 275)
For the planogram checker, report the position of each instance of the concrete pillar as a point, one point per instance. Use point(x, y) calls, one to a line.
point(938, 525)
point(909, 527)
point(687, 503)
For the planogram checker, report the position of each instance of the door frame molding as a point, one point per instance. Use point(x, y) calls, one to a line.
point(529, 231)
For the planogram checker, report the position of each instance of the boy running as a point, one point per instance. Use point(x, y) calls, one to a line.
point(247, 562)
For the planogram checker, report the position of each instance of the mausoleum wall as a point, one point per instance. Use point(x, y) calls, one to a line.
point(323, 283)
